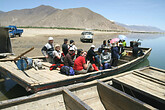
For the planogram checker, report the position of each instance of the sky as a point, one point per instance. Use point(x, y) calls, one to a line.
point(131, 12)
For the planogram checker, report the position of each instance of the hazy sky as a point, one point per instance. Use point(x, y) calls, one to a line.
point(139, 12)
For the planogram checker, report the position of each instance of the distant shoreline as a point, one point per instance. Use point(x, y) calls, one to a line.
point(95, 30)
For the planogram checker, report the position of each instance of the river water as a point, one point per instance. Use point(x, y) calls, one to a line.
point(9, 89)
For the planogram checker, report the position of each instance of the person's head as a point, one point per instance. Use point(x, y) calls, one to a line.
point(136, 45)
point(104, 42)
point(50, 40)
point(92, 47)
point(84, 54)
point(123, 40)
point(72, 42)
point(113, 45)
point(57, 47)
point(105, 49)
point(65, 41)
point(71, 50)
point(120, 41)
point(120, 44)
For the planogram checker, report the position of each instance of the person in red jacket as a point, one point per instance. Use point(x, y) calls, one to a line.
point(80, 65)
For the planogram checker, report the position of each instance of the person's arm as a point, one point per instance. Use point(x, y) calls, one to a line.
point(70, 60)
point(85, 65)
point(43, 50)
point(57, 55)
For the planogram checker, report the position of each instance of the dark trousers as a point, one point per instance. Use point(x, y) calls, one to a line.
point(114, 61)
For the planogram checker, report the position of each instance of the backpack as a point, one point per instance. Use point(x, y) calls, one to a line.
point(67, 70)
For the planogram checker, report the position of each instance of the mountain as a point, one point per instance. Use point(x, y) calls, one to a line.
point(140, 28)
point(46, 16)
point(1, 12)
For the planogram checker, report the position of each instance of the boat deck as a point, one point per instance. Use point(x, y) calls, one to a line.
point(150, 82)
point(34, 77)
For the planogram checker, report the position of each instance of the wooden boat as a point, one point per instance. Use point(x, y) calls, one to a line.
point(35, 81)
point(100, 95)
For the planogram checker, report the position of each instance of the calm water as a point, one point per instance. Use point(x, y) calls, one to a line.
point(9, 89)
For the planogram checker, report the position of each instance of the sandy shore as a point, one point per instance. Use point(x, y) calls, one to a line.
point(37, 38)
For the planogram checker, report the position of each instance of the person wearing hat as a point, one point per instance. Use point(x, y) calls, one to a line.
point(48, 49)
point(114, 54)
point(57, 54)
point(65, 47)
point(105, 59)
point(92, 56)
point(68, 58)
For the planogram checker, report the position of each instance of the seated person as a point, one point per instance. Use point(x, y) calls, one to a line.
point(105, 59)
point(48, 49)
point(92, 56)
point(136, 51)
point(68, 58)
point(80, 65)
point(57, 55)
point(72, 44)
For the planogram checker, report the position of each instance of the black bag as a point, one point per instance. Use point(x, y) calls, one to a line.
point(67, 70)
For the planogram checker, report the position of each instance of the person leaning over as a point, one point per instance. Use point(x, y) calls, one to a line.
point(48, 49)
point(68, 58)
point(80, 65)
point(65, 47)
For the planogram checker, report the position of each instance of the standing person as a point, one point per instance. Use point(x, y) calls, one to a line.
point(114, 54)
point(72, 44)
point(92, 56)
point(68, 58)
point(102, 46)
point(80, 65)
point(124, 43)
point(121, 49)
point(65, 47)
point(48, 49)
point(105, 59)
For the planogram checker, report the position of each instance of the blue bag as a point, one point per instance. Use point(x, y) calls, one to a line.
point(67, 70)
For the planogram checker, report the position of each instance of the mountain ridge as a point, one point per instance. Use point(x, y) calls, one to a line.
point(47, 16)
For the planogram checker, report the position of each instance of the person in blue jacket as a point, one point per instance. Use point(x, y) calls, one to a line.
point(114, 54)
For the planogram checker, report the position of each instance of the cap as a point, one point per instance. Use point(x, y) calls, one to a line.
point(50, 38)
point(71, 41)
point(106, 48)
point(71, 48)
point(57, 45)
point(65, 39)
point(93, 46)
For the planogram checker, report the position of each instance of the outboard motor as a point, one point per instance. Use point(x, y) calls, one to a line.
point(5, 43)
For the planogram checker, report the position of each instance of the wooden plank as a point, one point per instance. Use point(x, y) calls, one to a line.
point(114, 99)
point(148, 77)
point(9, 66)
point(147, 88)
point(154, 74)
point(72, 102)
